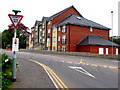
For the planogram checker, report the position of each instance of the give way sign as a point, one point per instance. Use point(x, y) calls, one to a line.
point(15, 19)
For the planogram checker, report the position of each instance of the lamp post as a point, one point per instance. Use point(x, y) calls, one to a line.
point(112, 30)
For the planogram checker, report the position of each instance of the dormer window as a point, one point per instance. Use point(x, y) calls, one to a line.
point(91, 29)
point(79, 18)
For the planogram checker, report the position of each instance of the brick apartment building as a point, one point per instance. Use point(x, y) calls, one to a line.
point(69, 31)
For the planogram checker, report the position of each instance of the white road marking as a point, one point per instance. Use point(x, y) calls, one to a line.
point(51, 78)
point(80, 69)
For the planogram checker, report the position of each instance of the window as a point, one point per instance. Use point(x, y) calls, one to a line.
point(63, 39)
point(54, 38)
point(63, 29)
point(59, 29)
point(48, 48)
point(91, 29)
point(58, 38)
point(43, 33)
point(48, 30)
point(49, 23)
point(63, 48)
point(101, 50)
point(43, 41)
point(48, 39)
point(54, 30)
point(53, 49)
point(43, 25)
point(40, 30)
point(58, 48)
point(36, 28)
point(79, 18)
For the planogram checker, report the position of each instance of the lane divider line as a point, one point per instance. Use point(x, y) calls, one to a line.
point(81, 62)
point(52, 76)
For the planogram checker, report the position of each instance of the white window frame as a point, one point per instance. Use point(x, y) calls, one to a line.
point(101, 50)
point(91, 29)
point(43, 33)
point(48, 30)
point(54, 29)
point(63, 48)
point(64, 39)
point(59, 48)
point(48, 39)
point(58, 28)
point(40, 29)
point(58, 38)
point(43, 25)
point(63, 29)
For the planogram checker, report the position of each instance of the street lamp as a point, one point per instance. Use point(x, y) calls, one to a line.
point(112, 30)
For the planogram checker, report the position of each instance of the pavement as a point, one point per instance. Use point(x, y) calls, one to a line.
point(34, 77)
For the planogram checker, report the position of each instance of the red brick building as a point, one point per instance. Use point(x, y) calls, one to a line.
point(69, 31)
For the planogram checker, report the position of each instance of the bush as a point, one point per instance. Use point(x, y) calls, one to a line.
point(6, 71)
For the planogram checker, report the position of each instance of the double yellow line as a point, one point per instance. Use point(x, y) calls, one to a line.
point(53, 76)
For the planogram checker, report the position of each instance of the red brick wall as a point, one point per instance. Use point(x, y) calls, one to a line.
point(58, 19)
point(77, 33)
point(95, 49)
point(65, 14)
point(84, 48)
point(59, 43)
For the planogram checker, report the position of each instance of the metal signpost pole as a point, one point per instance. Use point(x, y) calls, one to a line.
point(15, 21)
point(14, 59)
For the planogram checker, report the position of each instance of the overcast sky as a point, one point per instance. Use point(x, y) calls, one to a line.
point(95, 10)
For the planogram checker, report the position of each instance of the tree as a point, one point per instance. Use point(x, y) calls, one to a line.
point(0, 40)
point(22, 34)
point(117, 40)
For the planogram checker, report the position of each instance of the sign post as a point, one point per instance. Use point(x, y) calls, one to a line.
point(15, 19)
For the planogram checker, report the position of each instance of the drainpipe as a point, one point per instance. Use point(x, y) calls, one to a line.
point(69, 38)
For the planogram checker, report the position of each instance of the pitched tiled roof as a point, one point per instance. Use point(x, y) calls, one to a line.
point(81, 21)
point(55, 15)
point(96, 40)
point(38, 22)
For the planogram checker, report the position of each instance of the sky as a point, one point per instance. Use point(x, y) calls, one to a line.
point(96, 10)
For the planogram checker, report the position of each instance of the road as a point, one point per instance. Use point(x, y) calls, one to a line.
point(74, 72)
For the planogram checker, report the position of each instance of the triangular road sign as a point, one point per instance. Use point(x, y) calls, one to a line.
point(15, 19)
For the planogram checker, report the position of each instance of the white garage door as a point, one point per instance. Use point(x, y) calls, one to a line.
point(107, 51)
point(116, 51)
point(101, 50)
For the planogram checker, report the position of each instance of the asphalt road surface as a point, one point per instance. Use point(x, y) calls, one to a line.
point(72, 71)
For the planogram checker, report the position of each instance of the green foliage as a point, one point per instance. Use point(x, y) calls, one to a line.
point(116, 40)
point(6, 71)
point(22, 41)
point(0, 40)
point(7, 39)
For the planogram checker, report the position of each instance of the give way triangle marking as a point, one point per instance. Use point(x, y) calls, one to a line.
point(80, 69)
